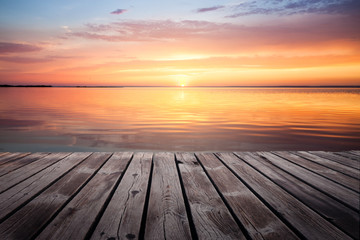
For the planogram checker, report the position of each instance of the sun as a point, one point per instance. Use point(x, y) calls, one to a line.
point(182, 85)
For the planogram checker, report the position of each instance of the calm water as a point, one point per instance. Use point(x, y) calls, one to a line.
point(178, 119)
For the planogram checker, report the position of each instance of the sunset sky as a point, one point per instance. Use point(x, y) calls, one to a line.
point(173, 43)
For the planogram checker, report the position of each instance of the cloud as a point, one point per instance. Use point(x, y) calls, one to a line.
point(25, 60)
point(162, 30)
point(7, 47)
point(287, 7)
point(201, 10)
point(118, 11)
point(303, 31)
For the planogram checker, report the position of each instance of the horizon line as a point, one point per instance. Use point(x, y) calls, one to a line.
point(119, 86)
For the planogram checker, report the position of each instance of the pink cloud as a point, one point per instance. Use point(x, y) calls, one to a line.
point(8, 47)
point(25, 60)
point(302, 32)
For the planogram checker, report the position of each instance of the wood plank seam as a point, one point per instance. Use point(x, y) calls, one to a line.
point(356, 153)
point(147, 199)
point(350, 155)
point(330, 167)
point(187, 205)
point(41, 191)
point(69, 200)
point(279, 215)
point(237, 220)
point(34, 173)
point(166, 216)
point(321, 190)
point(330, 156)
point(101, 212)
point(322, 175)
point(290, 193)
point(21, 165)
point(11, 158)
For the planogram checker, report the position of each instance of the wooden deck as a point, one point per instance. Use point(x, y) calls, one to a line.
point(123, 195)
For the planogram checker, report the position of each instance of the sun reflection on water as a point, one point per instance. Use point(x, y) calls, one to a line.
point(180, 119)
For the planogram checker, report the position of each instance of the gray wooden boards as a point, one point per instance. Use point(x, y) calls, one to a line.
point(211, 217)
point(14, 164)
point(146, 195)
point(350, 155)
point(45, 205)
point(300, 217)
point(342, 194)
point(84, 208)
point(330, 209)
point(338, 177)
point(20, 174)
point(338, 158)
point(352, 172)
point(26, 190)
point(122, 217)
point(166, 216)
point(259, 221)
point(11, 157)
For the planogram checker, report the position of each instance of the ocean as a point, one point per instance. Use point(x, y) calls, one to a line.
point(179, 119)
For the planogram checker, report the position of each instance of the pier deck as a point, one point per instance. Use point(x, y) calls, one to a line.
point(162, 195)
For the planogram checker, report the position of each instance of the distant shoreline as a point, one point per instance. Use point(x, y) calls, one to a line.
point(47, 86)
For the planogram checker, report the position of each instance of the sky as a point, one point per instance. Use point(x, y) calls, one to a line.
point(180, 42)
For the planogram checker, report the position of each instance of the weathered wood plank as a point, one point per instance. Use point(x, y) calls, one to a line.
point(13, 165)
point(28, 170)
point(330, 164)
point(338, 177)
point(342, 194)
point(343, 217)
point(337, 158)
point(122, 217)
point(307, 222)
point(3, 153)
point(31, 218)
point(349, 155)
point(166, 216)
point(22, 192)
point(259, 221)
point(355, 152)
point(78, 216)
point(11, 156)
point(211, 218)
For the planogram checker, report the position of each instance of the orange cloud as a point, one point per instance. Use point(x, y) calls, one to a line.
point(302, 52)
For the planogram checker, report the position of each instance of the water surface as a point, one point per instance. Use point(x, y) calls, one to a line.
point(179, 119)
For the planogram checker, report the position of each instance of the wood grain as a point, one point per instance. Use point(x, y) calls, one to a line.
point(22, 192)
point(30, 219)
point(330, 164)
point(342, 194)
point(259, 221)
point(337, 158)
point(122, 218)
point(338, 177)
point(20, 174)
point(349, 155)
point(11, 157)
point(10, 166)
point(355, 152)
point(119, 195)
point(211, 217)
point(330, 209)
point(166, 216)
point(307, 222)
point(76, 219)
